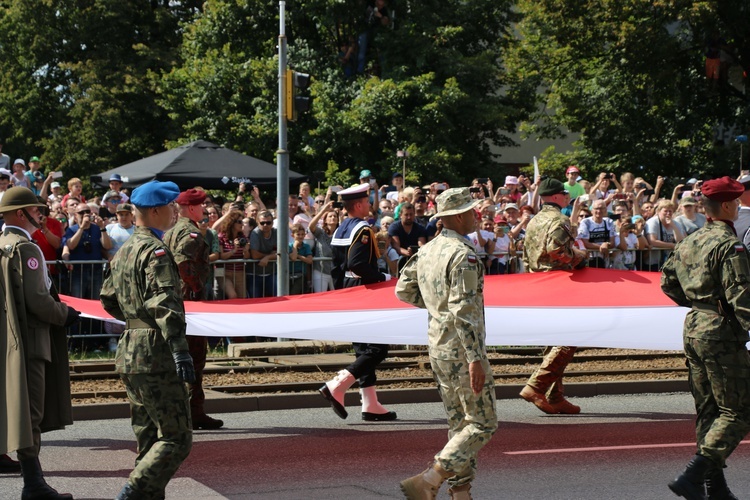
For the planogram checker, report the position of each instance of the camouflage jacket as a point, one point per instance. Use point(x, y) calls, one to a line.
point(708, 271)
point(143, 284)
point(447, 278)
point(549, 241)
point(190, 252)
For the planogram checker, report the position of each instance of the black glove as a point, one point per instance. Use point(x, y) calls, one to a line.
point(73, 317)
point(184, 364)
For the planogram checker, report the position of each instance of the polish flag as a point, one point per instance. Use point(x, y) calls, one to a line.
point(590, 307)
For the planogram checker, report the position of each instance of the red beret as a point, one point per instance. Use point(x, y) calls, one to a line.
point(723, 189)
point(191, 197)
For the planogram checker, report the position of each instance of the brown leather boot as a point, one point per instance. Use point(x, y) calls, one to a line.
point(462, 492)
point(564, 406)
point(539, 399)
point(426, 485)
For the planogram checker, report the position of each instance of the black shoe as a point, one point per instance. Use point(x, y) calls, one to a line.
point(716, 486)
point(690, 484)
point(378, 417)
point(34, 486)
point(8, 465)
point(338, 408)
point(207, 423)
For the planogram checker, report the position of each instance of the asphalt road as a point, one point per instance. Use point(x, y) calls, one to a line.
point(621, 447)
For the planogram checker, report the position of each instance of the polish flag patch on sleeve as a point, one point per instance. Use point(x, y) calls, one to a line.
point(193, 235)
point(160, 252)
point(739, 248)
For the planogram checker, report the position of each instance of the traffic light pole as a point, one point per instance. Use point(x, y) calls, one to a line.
point(282, 168)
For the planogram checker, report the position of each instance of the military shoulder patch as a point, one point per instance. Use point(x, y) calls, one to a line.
point(32, 263)
point(472, 258)
point(739, 248)
point(193, 235)
point(160, 252)
point(365, 239)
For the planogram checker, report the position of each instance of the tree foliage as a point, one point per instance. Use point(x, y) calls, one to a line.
point(77, 78)
point(437, 91)
point(629, 76)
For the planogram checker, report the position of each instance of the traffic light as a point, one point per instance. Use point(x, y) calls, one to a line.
point(295, 104)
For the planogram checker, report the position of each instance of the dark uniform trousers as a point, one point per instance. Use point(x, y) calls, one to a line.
point(198, 347)
point(35, 370)
point(369, 356)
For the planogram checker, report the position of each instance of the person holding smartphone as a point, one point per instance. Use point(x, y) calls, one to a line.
point(86, 240)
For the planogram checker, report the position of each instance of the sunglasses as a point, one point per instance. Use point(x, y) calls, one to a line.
point(204, 220)
point(320, 202)
point(266, 223)
point(84, 212)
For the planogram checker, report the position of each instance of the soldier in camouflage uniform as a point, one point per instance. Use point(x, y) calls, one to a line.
point(190, 252)
point(143, 289)
point(446, 277)
point(549, 246)
point(708, 272)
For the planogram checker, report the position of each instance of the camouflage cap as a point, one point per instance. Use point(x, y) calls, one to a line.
point(16, 198)
point(550, 187)
point(455, 201)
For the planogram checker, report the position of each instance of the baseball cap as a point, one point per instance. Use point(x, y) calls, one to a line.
point(572, 168)
point(54, 185)
point(365, 173)
point(33, 158)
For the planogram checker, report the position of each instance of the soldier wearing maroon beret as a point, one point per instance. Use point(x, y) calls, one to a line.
point(191, 252)
point(708, 272)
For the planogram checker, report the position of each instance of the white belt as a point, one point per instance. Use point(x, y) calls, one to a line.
point(350, 274)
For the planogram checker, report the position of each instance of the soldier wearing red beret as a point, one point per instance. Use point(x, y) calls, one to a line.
point(191, 252)
point(708, 272)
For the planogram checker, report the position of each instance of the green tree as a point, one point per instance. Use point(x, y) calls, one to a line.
point(629, 77)
point(434, 85)
point(76, 78)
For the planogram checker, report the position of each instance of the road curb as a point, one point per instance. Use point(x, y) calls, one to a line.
point(218, 402)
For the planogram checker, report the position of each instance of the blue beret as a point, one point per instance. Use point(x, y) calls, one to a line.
point(154, 194)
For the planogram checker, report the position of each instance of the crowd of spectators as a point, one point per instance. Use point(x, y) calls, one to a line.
point(623, 221)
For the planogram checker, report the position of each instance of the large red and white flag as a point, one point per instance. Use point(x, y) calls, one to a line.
point(591, 307)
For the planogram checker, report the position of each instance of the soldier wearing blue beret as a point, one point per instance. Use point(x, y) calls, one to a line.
point(143, 289)
point(154, 194)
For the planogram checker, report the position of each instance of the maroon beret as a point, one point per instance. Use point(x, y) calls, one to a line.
point(191, 197)
point(722, 189)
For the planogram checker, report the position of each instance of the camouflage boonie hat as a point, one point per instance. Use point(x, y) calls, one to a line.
point(455, 201)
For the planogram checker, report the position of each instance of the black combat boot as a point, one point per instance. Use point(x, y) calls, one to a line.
point(690, 484)
point(128, 493)
point(34, 486)
point(716, 486)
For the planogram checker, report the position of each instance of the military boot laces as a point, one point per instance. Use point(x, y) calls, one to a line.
point(716, 486)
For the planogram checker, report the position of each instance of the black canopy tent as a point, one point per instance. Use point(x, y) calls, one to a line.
point(199, 163)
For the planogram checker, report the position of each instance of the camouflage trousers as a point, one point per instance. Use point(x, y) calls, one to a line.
point(720, 382)
point(471, 417)
point(160, 417)
point(548, 378)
